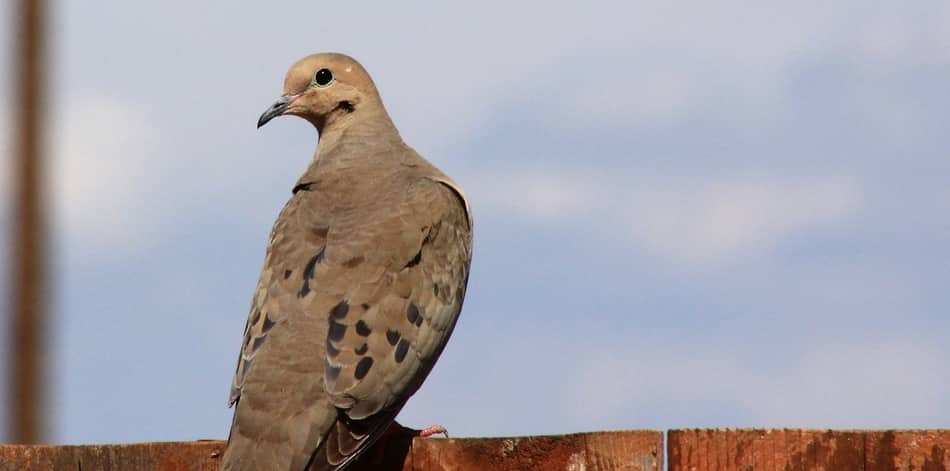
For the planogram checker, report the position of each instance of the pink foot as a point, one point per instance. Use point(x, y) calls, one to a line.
point(432, 430)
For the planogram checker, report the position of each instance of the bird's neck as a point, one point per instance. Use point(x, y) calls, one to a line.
point(359, 139)
point(356, 126)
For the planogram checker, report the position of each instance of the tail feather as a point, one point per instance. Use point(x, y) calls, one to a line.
point(348, 440)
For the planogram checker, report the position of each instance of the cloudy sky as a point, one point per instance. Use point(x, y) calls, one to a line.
point(687, 215)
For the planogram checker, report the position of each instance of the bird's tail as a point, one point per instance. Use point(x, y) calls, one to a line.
point(257, 442)
point(348, 440)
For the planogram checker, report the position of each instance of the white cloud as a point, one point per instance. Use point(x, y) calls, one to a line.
point(537, 196)
point(900, 35)
point(736, 219)
point(654, 95)
point(105, 172)
point(685, 223)
point(614, 381)
point(839, 383)
point(863, 383)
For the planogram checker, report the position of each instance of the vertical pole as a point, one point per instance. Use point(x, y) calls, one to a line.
point(27, 281)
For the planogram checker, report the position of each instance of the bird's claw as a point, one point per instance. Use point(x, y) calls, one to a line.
point(432, 430)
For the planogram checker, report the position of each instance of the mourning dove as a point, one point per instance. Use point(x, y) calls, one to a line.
point(362, 284)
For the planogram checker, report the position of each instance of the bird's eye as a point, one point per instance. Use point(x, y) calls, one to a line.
point(322, 78)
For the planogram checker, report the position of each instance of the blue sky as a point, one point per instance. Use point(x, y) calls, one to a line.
point(688, 215)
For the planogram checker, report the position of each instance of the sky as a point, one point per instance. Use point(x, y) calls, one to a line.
point(687, 214)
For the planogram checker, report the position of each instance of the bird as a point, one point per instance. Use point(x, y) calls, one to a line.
point(362, 284)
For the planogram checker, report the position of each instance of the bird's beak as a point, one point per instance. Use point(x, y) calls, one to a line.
point(277, 109)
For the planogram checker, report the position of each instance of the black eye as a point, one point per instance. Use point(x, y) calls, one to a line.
point(323, 77)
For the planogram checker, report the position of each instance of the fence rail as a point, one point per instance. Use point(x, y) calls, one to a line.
point(809, 450)
point(641, 450)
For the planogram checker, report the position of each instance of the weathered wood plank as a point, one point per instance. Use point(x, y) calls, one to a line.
point(907, 450)
point(808, 450)
point(599, 451)
point(164, 456)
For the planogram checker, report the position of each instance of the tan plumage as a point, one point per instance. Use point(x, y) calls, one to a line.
point(362, 283)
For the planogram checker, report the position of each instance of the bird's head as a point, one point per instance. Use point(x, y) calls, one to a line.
point(322, 88)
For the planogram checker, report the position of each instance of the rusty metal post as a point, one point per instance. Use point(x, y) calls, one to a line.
point(28, 286)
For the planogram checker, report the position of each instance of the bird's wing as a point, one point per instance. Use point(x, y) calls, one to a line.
point(400, 301)
point(282, 411)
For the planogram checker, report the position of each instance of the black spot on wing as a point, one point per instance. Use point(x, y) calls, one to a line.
point(413, 315)
point(362, 367)
point(401, 350)
point(362, 350)
point(365, 306)
point(287, 273)
point(268, 324)
point(362, 329)
point(337, 331)
point(258, 341)
point(392, 337)
point(308, 272)
point(305, 186)
point(340, 310)
point(415, 260)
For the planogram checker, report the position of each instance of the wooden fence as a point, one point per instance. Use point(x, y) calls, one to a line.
point(687, 450)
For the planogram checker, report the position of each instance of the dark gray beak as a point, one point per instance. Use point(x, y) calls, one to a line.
point(276, 109)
